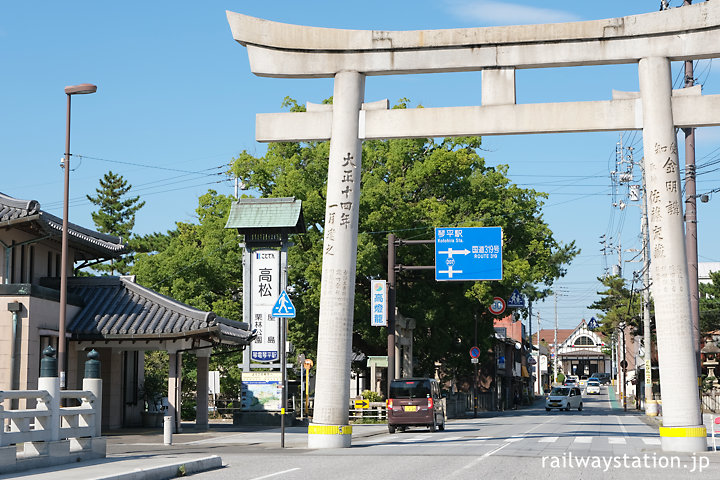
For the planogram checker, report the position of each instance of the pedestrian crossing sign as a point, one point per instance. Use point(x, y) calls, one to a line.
point(283, 307)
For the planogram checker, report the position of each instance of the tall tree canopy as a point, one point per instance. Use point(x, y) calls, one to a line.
point(115, 215)
point(409, 187)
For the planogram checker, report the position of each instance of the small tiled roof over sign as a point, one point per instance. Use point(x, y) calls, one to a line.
point(26, 215)
point(117, 308)
point(281, 215)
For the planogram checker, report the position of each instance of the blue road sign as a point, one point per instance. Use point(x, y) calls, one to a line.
point(283, 307)
point(474, 352)
point(593, 324)
point(469, 253)
point(516, 300)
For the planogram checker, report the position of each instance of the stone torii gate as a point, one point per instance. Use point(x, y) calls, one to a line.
point(650, 40)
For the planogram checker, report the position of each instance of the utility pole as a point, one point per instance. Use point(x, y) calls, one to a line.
point(391, 312)
point(691, 219)
point(537, 363)
point(538, 380)
point(555, 345)
point(647, 338)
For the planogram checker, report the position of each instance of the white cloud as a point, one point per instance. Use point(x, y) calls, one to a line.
point(485, 12)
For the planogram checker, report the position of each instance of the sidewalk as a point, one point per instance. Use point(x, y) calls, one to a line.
point(139, 454)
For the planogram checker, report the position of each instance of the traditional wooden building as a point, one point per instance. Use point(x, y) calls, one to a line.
point(114, 315)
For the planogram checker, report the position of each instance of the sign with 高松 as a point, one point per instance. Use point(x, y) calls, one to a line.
point(265, 289)
point(378, 303)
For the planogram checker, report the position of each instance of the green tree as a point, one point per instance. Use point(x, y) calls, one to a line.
point(411, 186)
point(115, 216)
point(618, 304)
point(710, 304)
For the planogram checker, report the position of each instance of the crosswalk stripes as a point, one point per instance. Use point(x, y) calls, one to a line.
point(428, 440)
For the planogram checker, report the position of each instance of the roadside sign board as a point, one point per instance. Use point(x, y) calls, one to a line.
point(516, 300)
point(497, 306)
point(308, 364)
point(362, 404)
point(468, 253)
point(378, 303)
point(265, 287)
point(283, 307)
point(474, 352)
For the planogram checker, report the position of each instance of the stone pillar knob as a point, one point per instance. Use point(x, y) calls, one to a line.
point(48, 362)
point(92, 365)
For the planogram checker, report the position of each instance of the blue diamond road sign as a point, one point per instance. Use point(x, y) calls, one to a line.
point(283, 307)
point(468, 253)
point(516, 300)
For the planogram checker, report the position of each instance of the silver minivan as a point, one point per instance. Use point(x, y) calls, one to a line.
point(564, 398)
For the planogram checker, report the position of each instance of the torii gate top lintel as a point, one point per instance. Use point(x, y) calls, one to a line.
point(302, 51)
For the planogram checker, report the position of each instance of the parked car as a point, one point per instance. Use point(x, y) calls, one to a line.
point(415, 402)
point(593, 387)
point(564, 398)
point(603, 378)
point(583, 381)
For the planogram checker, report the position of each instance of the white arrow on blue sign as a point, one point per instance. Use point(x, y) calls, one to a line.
point(516, 300)
point(283, 307)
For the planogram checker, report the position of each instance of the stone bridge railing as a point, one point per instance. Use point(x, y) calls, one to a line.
point(50, 433)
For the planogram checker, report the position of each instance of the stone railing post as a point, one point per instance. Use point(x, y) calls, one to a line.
point(49, 381)
point(93, 383)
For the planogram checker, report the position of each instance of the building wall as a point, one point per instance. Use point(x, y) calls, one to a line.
point(29, 263)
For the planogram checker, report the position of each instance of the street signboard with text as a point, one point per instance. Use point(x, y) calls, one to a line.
point(468, 253)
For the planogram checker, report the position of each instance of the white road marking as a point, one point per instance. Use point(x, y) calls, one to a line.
point(514, 439)
point(479, 459)
point(583, 439)
point(276, 473)
point(617, 440)
point(651, 441)
point(548, 439)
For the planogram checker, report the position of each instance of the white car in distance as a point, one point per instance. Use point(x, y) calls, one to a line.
point(592, 388)
point(564, 398)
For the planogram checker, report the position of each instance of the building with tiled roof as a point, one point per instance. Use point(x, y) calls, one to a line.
point(113, 315)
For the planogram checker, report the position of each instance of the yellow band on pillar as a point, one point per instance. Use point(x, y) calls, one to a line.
point(683, 432)
point(330, 430)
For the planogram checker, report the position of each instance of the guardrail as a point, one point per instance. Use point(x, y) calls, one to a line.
point(376, 411)
point(49, 433)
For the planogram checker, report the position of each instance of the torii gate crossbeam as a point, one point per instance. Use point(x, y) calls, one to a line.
point(650, 40)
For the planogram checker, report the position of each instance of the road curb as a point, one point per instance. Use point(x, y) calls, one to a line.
point(173, 469)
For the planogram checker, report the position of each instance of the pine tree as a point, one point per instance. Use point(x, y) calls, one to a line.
point(116, 215)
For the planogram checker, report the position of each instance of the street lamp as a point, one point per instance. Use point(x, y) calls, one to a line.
point(83, 88)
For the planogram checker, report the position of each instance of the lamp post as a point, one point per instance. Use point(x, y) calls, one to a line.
point(83, 88)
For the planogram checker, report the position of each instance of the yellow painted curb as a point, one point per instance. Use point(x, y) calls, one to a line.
point(330, 430)
point(683, 432)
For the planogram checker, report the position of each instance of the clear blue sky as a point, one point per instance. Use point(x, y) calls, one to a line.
point(175, 96)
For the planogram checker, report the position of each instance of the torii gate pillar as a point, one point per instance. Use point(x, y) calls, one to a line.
point(330, 428)
point(682, 428)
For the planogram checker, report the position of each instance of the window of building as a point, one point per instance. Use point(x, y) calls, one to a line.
point(583, 341)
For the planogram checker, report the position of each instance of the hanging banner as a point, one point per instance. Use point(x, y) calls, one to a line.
point(265, 289)
point(378, 303)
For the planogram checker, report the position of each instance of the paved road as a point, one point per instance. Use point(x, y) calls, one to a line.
point(528, 443)
point(599, 442)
